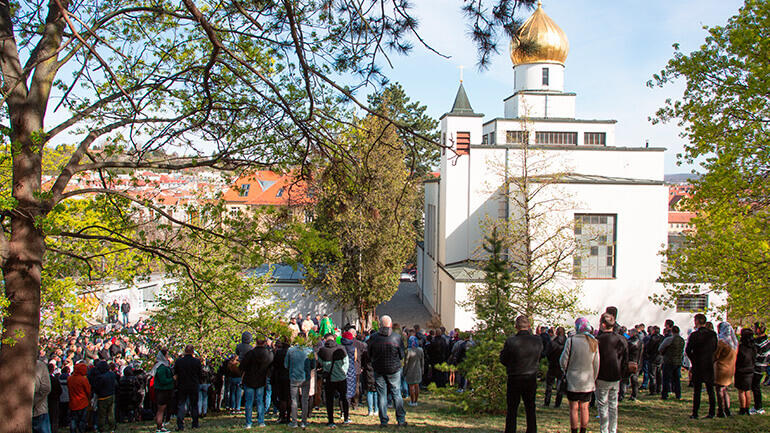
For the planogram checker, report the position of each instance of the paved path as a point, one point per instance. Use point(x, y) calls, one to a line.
point(405, 307)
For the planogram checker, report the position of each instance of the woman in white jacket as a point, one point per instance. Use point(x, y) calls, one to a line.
point(580, 362)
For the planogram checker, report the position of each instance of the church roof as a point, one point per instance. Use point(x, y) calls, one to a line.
point(538, 40)
point(462, 106)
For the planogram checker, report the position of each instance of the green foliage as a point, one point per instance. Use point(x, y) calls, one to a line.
point(419, 132)
point(364, 211)
point(724, 112)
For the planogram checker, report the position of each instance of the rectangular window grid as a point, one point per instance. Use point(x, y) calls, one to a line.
point(516, 137)
point(692, 303)
point(244, 190)
point(595, 255)
point(595, 138)
point(545, 76)
point(556, 137)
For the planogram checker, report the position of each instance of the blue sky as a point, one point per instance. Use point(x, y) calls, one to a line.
point(615, 47)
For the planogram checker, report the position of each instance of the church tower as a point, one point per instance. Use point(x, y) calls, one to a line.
point(538, 51)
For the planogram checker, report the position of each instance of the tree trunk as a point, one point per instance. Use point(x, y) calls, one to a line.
point(21, 272)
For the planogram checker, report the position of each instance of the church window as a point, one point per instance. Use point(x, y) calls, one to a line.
point(516, 137)
point(595, 255)
point(545, 76)
point(595, 138)
point(485, 139)
point(463, 142)
point(691, 303)
point(553, 137)
point(492, 137)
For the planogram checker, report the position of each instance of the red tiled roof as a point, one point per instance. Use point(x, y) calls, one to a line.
point(680, 217)
point(267, 187)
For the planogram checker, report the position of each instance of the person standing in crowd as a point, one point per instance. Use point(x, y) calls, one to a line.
point(164, 386)
point(307, 325)
point(235, 372)
point(700, 348)
point(104, 384)
point(41, 422)
point(335, 363)
point(256, 367)
point(80, 395)
point(761, 361)
point(348, 343)
point(64, 399)
point(385, 353)
point(724, 366)
point(554, 374)
point(438, 354)
point(368, 385)
point(520, 356)
point(300, 362)
point(744, 369)
point(188, 371)
point(613, 356)
point(280, 381)
point(631, 377)
point(580, 362)
point(326, 326)
point(53, 398)
point(672, 349)
point(207, 377)
point(293, 327)
point(413, 368)
point(652, 354)
point(125, 308)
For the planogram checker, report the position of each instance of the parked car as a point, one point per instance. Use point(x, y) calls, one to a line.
point(409, 275)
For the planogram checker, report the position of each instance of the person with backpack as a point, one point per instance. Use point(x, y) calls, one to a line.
point(744, 369)
point(163, 384)
point(335, 363)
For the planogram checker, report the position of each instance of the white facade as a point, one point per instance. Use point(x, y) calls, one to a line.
point(596, 175)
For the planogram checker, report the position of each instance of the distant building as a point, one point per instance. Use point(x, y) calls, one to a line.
point(268, 188)
point(679, 222)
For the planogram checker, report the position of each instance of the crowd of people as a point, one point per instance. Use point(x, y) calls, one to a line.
point(96, 377)
point(602, 367)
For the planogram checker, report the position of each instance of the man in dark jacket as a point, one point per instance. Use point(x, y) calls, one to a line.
point(613, 357)
point(104, 385)
point(521, 356)
point(654, 360)
point(700, 349)
point(256, 367)
point(672, 350)
point(634, 366)
point(760, 366)
point(437, 354)
point(386, 350)
point(188, 371)
point(554, 374)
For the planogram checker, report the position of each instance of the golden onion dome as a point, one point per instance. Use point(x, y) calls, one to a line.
point(538, 40)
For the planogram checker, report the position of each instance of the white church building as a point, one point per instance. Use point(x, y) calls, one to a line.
point(615, 190)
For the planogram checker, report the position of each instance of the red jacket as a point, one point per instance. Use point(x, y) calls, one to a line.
point(79, 388)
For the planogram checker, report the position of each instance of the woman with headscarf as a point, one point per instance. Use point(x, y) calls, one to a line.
point(580, 362)
point(724, 366)
point(744, 369)
point(414, 364)
point(163, 384)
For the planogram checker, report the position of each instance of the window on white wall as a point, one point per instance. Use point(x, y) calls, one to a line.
point(549, 137)
point(430, 231)
point(516, 137)
point(545, 76)
point(595, 255)
point(692, 303)
point(595, 138)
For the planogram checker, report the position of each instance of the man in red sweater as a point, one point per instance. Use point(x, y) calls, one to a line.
point(80, 395)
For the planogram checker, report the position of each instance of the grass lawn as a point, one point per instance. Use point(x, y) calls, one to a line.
point(648, 415)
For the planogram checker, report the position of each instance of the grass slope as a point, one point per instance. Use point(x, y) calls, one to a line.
point(647, 415)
